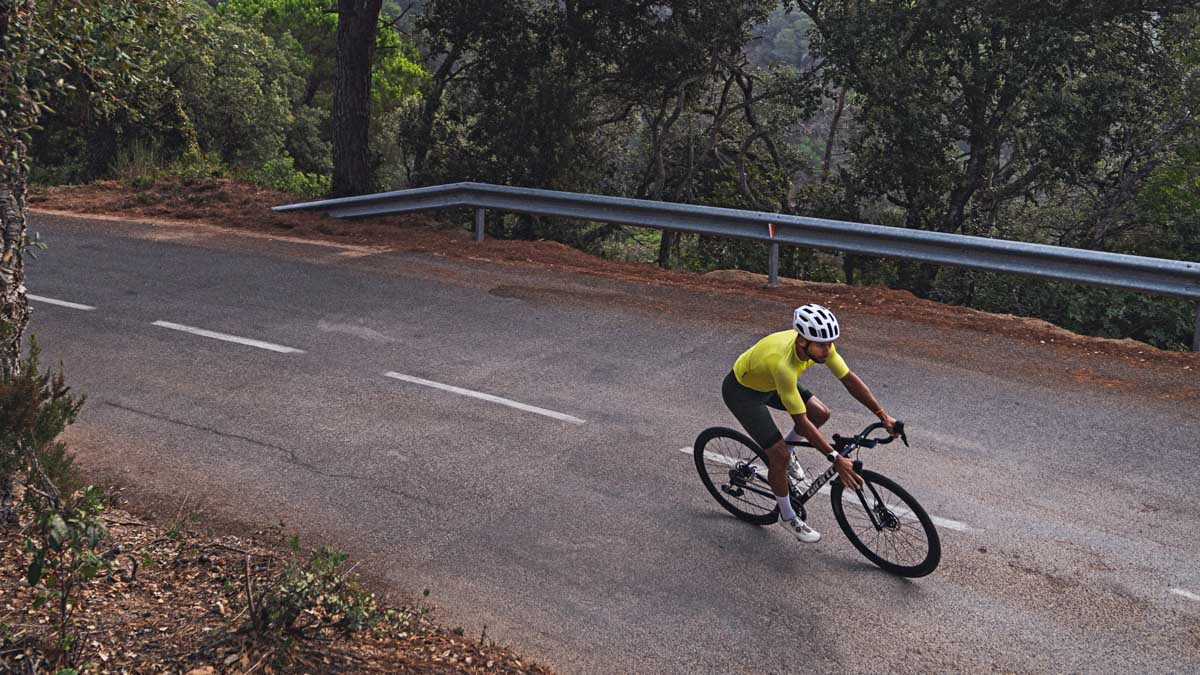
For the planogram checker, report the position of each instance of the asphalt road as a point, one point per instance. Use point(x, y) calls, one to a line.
point(584, 538)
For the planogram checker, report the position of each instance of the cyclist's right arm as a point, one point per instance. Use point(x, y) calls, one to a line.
point(845, 467)
point(789, 394)
point(807, 429)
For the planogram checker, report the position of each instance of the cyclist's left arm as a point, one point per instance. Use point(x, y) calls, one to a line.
point(859, 390)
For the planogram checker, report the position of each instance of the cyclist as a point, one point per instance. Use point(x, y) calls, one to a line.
point(767, 374)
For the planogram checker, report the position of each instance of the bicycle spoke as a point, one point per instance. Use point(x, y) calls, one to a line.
point(900, 539)
point(724, 455)
point(902, 543)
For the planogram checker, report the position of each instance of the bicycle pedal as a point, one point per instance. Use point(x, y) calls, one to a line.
point(732, 491)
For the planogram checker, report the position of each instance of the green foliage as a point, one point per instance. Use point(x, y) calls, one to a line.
point(112, 85)
point(1169, 206)
point(202, 87)
point(62, 543)
point(1104, 312)
point(308, 29)
point(137, 164)
point(781, 40)
point(66, 530)
point(36, 407)
point(195, 164)
point(517, 99)
point(318, 592)
point(646, 100)
point(281, 174)
point(308, 140)
point(239, 88)
point(966, 106)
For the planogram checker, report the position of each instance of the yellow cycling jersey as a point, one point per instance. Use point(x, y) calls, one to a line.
point(772, 365)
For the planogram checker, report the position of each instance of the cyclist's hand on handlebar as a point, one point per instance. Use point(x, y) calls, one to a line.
point(889, 422)
point(845, 470)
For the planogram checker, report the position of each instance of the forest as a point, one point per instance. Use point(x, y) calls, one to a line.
point(1057, 122)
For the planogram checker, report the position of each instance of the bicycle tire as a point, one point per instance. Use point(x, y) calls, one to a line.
point(900, 525)
point(735, 446)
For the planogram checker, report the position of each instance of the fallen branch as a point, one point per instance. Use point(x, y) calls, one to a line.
point(250, 595)
point(114, 521)
point(260, 662)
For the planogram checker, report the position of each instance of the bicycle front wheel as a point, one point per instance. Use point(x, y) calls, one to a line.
point(887, 526)
point(734, 469)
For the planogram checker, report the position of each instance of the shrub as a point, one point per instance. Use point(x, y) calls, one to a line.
point(282, 175)
point(65, 529)
point(314, 594)
point(138, 164)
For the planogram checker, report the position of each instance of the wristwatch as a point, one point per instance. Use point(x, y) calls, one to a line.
point(833, 456)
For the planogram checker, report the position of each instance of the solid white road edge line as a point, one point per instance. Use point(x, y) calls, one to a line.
point(229, 338)
point(1186, 594)
point(937, 520)
point(485, 397)
point(62, 303)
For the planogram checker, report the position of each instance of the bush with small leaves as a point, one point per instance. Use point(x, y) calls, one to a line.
point(65, 529)
point(314, 594)
point(62, 544)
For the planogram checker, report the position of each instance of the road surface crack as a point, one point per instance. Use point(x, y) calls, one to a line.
point(290, 454)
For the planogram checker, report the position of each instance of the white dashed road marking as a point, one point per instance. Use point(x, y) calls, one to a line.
point(60, 303)
point(486, 397)
point(939, 521)
point(229, 338)
point(1185, 594)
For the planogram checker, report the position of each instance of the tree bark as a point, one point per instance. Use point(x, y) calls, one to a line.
point(19, 113)
point(833, 128)
point(14, 306)
point(358, 20)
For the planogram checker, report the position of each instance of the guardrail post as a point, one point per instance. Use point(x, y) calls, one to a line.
point(773, 272)
point(1196, 333)
point(478, 224)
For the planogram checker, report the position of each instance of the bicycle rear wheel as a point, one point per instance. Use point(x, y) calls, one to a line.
point(734, 469)
point(887, 525)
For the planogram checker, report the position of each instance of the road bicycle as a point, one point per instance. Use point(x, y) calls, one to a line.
point(881, 519)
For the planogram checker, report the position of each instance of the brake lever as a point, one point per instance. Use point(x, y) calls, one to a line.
point(899, 427)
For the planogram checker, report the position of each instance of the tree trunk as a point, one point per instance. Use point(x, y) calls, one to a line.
point(14, 307)
point(357, 22)
point(665, 245)
point(833, 128)
point(19, 114)
point(429, 109)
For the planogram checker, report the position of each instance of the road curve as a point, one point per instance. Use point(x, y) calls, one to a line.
point(510, 439)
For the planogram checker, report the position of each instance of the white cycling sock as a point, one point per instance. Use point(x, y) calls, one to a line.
point(786, 512)
point(793, 437)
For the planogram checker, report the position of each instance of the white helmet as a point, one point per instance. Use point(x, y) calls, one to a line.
point(816, 323)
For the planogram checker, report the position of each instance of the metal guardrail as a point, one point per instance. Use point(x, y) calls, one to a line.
point(1149, 275)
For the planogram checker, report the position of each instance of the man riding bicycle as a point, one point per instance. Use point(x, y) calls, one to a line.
point(767, 374)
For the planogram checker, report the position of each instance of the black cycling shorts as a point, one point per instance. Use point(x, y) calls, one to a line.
point(750, 408)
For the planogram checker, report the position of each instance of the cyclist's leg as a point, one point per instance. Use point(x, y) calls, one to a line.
point(818, 413)
point(750, 409)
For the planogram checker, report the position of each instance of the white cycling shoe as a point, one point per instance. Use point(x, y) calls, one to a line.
point(800, 530)
point(797, 472)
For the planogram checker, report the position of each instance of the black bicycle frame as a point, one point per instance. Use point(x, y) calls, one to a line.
point(831, 473)
point(844, 446)
point(803, 497)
